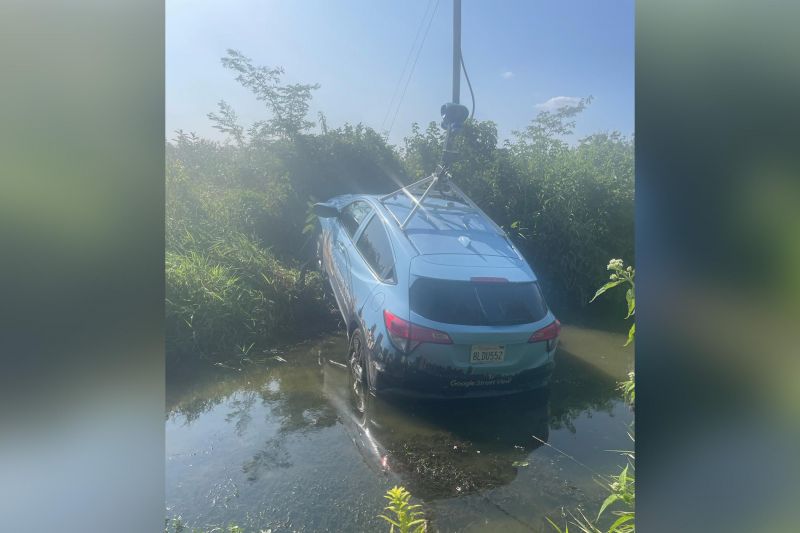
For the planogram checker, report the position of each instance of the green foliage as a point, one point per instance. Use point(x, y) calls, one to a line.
point(224, 286)
point(263, 188)
point(556, 526)
point(622, 275)
point(623, 524)
point(579, 520)
point(622, 490)
point(174, 525)
point(234, 293)
point(287, 102)
point(226, 122)
point(407, 518)
point(622, 493)
point(628, 389)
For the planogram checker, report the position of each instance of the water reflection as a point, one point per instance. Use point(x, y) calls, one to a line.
point(289, 445)
point(578, 387)
point(440, 449)
point(273, 454)
point(240, 411)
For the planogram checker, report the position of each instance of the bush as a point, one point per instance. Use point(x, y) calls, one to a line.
point(225, 290)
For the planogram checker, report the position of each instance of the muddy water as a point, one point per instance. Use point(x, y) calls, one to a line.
point(283, 443)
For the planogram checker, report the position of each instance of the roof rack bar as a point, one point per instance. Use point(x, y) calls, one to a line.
point(441, 175)
point(469, 202)
point(393, 215)
point(418, 203)
point(406, 188)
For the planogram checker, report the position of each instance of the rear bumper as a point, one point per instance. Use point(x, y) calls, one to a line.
point(451, 383)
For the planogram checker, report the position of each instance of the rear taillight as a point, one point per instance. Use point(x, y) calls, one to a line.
point(407, 336)
point(548, 333)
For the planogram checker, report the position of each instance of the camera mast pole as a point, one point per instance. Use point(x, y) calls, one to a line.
point(453, 117)
point(456, 51)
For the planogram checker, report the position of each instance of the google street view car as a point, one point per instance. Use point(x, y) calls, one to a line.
point(436, 299)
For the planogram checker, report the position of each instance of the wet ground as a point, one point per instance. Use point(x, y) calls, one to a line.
point(283, 443)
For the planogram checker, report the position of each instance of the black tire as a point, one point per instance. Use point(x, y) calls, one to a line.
point(357, 364)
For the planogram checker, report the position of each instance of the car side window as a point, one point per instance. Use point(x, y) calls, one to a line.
point(353, 214)
point(377, 251)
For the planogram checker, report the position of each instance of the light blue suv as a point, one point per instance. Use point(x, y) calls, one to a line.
point(436, 299)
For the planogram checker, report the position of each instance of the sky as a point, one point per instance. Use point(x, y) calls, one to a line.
point(522, 56)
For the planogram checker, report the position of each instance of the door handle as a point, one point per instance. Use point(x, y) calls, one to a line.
point(340, 246)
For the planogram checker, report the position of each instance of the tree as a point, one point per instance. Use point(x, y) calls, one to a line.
point(288, 102)
point(544, 133)
point(226, 122)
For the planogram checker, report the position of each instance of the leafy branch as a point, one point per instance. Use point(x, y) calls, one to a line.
point(622, 275)
point(407, 519)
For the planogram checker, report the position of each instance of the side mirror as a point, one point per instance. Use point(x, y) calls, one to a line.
point(324, 210)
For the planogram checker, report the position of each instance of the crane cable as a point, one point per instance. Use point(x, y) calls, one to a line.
point(405, 65)
point(471, 93)
point(411, 73)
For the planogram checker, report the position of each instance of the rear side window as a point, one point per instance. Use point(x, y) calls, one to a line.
point(374, 246)
point(477, 304)
point(353, 214)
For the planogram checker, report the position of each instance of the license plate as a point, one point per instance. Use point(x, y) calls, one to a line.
point(483, 354)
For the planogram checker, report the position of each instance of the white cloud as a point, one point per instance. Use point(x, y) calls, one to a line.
point(507, 75)
point(557, 102)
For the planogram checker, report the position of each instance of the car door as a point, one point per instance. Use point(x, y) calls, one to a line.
point(372, 270)
point(342, 248)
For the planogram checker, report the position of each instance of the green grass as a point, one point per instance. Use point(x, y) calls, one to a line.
point(227, 292)
point(231, 292)
point(236, 294)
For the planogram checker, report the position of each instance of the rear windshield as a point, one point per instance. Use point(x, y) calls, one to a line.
point(477, 304)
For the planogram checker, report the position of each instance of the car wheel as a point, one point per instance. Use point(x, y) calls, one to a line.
point(357, 363)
